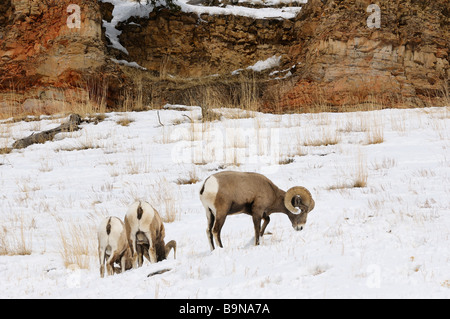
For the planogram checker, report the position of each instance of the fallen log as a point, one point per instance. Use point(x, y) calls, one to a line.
point(42, 137)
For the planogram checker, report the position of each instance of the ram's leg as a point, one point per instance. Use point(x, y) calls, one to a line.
point(151, 248)
point(152, 254)
point(134, 251)
point(123, 263)
point(257, 225)
point(110, 264)
point(210, 217)
point(102, 258)
point(257, 214)
point(265, 223)
point(218, 223)
point(145, 251)
point(140, 252)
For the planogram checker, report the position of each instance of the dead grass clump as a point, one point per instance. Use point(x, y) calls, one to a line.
point(361, 174)
point(5, 150)
point(141, 166)
point(242, 92)
point(191, 179)
point(124, 121)
point(325, 137)
point(16, 240)
point(358, 176)
point(78, 244)
point(285, 160)
point(209, 115)
point(163, 194)
point(375, 135)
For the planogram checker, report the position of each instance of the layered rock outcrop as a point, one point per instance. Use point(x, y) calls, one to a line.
point(338, 59)
point(46, 61)
point(192, 45)
point(344, 62)
point(46, 65)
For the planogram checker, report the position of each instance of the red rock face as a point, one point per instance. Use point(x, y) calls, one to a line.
point(43, 57)
point(46, 65)
point(344, 62)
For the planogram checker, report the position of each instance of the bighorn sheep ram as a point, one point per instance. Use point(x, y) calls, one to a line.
point(113, 245)
point(227, 193)
point(145, 233)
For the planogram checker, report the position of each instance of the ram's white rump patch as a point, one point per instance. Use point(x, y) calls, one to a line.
point(210, 190)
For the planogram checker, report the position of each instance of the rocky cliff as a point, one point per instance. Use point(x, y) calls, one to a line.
point(406, 61)
point(339, 61)
point(46, 63)
point(189, 45)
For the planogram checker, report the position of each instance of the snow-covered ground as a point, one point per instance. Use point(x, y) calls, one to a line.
point(388, 238)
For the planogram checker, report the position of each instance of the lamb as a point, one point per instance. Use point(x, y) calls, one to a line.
point(113, 245)
point(229, 192)
point(145, 233)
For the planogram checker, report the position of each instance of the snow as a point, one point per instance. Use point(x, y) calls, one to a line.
point(261, 65)
point(267, 64)
point(123, 10)
point(272, 2)
point(255, 13)
point(131, 64)
point(387, 239)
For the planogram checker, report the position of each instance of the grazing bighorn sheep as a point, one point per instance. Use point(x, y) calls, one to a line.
point(227, 193)
point(145, 233)
point(113, 245)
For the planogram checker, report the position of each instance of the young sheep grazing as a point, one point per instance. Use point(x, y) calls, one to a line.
point(227, 193)
point(145, 233)
point(113, 246)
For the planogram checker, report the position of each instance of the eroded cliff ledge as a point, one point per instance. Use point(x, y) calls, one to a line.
point(44, 64)
point(343, 62)
point(333, 58)
point(189, 45)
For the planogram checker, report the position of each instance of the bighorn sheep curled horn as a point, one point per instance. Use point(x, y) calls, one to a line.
point(302, 199)
point(227, 193)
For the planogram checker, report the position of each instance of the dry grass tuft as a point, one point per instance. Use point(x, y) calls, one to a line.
point(16, 240)
point(358, 176)
point(375, 135)
point(124, 121)
point(163, 194)
point(325, 137)
point(191, 179)
point(78, 244)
